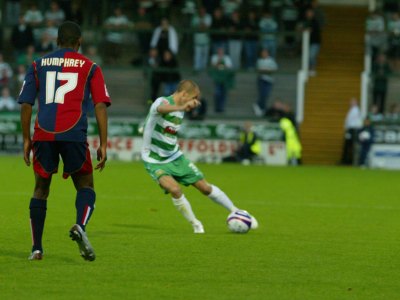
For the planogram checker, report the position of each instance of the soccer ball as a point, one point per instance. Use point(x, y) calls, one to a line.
point(239, 221)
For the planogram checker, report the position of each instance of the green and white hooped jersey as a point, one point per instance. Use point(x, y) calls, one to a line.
point(160, 141)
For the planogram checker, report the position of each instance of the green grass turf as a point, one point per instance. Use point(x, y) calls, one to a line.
point(325, 233)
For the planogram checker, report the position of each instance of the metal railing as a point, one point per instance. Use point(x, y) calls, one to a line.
point(302, 76)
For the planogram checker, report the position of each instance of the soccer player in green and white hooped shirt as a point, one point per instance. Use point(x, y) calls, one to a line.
point(164, 160)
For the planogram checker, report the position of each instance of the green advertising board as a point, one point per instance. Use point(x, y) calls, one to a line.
point(11, 134)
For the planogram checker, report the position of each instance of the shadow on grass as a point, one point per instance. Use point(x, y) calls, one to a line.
point(23, 256)
point(15, 254)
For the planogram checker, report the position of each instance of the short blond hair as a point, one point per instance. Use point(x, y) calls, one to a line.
point(188, 86)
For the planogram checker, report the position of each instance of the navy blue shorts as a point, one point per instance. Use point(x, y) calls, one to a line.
point(75, 156)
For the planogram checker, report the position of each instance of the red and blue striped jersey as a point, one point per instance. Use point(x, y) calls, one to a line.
point(62, 82)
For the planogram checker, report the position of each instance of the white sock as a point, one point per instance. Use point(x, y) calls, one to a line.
point(183, 205)
point(221, 198)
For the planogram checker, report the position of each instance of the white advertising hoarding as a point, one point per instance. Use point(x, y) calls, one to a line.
point(197, 150)
point(385, 156)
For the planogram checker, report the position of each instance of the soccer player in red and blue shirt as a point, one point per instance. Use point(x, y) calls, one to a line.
point(62, 82)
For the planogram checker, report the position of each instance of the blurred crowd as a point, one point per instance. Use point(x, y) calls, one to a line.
point(224, 36)
point(383, 44)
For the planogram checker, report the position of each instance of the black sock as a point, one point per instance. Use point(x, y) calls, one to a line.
point(84, 204)
point(37, 209)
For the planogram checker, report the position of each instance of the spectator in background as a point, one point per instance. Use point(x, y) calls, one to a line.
point(76, 14)
point(249, 146)
point(293, 145)
point(230, 6)
point(352, 125)
point(312, 24)
point(115, 25)
point(66, 7)
point(366, 139)
point(223, 76)
point(235, 39)
point(380, 73)
point(33, 16)
point(256, 5)
point(170, 72)
point(21, 36)
point(393, 113)
point(6, 73)
point(276, 111)
point(201, 24)
point(319, 13)
point(147, 4)
point(280, 109)
point(46, 44)
point(55, 14)
point(21, 72)
point(95, 17)
point(394, 40)
point(165, 37)
point(250, 39)
point(163, 8)
point(153, 75)
point(266, 66)
point(92, 54)
point(290, 16)
point(51, 31)
point(142, 23)
point(6, 101)
point(275, 6)
point(376, 39)
point(219, 26)
point(188, 12)
point(211, 5)
point(268, 29)
point(28, 57)
point(374, 115)
point(13, 8)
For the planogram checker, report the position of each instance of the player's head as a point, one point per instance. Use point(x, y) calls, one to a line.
point(69, 35)
point(188, 90)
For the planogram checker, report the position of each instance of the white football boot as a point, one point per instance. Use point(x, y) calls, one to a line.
point(198, 227)
point(254, 222)
point(85, 248)
point(36, 255)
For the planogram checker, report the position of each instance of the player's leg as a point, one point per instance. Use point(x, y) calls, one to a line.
point(215, 194)
point(85, 198)
point(45, 163)
point(169, 184)
point(84, 204)
point(37, 214)
point(219, 197)
point(78, 164)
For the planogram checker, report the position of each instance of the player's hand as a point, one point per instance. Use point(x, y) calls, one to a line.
point(27, 151)
point(101, 158)
point(192, 104)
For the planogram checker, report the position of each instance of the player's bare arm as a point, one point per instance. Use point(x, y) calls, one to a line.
point(101, 117)
point(188, 106)
point(26, 114)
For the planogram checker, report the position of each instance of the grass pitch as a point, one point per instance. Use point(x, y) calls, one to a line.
point(325, 233)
